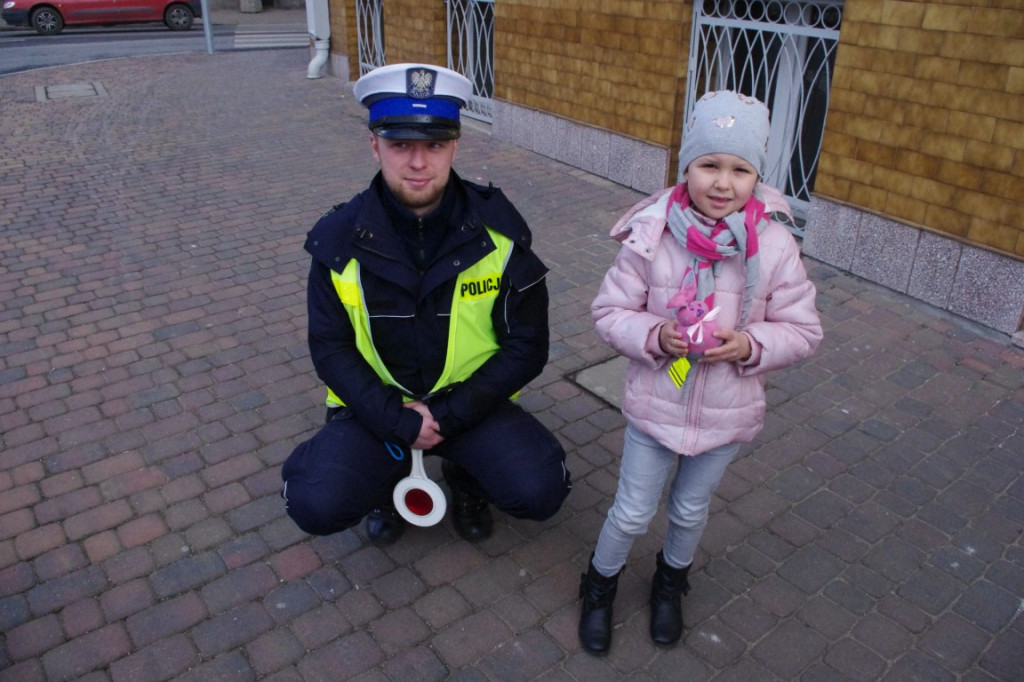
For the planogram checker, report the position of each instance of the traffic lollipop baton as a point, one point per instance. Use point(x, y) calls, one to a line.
point(418, 499)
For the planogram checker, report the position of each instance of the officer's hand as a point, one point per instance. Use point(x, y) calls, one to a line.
point(429, 430)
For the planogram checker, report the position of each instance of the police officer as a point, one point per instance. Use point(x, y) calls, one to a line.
point(427, 315)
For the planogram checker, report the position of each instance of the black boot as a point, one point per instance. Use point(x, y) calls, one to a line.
point(384, 525)
point(471, 515)
point(667, 589)
point(597, 593)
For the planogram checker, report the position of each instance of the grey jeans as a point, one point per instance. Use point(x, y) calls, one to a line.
point(645, 467)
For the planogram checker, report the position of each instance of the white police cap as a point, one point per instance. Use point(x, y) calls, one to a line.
point(414, 101)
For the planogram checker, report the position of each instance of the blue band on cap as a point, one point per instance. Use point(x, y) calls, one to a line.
point(406, 106)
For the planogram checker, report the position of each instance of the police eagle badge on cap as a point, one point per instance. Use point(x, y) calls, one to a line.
point(419, 83)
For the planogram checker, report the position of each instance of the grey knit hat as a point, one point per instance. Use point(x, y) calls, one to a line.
point(726, 122)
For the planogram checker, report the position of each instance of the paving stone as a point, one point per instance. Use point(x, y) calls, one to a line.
point(931, 589)
point(469, 639)
point(418, 663)
point(749, 620)
point(81, 617)
point(954, 641)
point(910, 616)
point(230, 666)
point(316, 628)
point(752, 561)
point(729, 575)
point(811, 568)
point(166, 618)
point(329, 583)
point(894, 558)
point(33, 638)
point(715, 643)
point(231, 629)
point(789, 649)
point(819, 672)
point(517, 613)
point(958, 563)
point(1008, 575)
point(95, 650)
point(870, 522)
point(706, 598)
point(187, 573)
point(241, 586)
point(849, 597)
point(60, 592)
point(826, 617)
point(917, 666)
point(523, 657)
point(1003, 659)
point(854, 661)
point(777, 595)
point(823, 508)
point(794, 529)
point(678, 662)
point(162, 660)
point(988, 605)
point(843, 544)
point(869, 581)
point(491, 580)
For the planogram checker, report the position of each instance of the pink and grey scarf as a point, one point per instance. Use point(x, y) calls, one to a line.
point(712, 242)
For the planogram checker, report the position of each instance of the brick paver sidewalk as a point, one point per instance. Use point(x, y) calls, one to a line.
point(154, 376)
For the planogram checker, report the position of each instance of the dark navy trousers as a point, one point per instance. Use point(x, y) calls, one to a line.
point(337, 477)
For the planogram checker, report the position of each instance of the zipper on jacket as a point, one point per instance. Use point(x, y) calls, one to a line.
point(693, 405)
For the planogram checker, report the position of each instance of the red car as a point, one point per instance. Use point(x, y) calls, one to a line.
point(48, 17)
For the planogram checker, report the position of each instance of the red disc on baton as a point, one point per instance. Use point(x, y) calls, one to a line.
point(418, 502)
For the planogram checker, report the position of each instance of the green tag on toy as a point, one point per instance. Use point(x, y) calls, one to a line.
point(678, 370)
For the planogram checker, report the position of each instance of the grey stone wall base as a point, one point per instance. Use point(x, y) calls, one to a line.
point(337, 64)
point(624, 160)
point(979, 285)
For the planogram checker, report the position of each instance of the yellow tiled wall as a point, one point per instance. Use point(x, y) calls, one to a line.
point(926, 118)
point(415, 31)
point(345, 10)
point(613, 64)
point(340, 22)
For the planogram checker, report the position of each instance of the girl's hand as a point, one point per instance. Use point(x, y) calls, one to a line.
point(672, 341)
point(735, 347)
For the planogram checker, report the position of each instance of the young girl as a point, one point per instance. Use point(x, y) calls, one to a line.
point(708, 247)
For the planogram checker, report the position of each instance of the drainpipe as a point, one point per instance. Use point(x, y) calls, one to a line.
point(318, 21)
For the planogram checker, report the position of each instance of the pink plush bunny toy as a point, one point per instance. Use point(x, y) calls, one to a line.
point(695, 320)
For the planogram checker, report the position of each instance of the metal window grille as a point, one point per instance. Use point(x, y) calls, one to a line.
point(783, 53)
point(370, 34)
point(471, 51)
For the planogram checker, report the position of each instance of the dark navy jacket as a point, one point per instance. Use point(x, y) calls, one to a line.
point(409, 311)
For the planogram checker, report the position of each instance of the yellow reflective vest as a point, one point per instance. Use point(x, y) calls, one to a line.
point(471, 336)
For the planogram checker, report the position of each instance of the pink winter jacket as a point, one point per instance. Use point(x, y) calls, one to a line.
point(721, 402)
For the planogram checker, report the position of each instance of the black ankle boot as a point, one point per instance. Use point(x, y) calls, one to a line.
point(384, 525)
point(597, 593)
point(667, 589)
point(471, 515)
